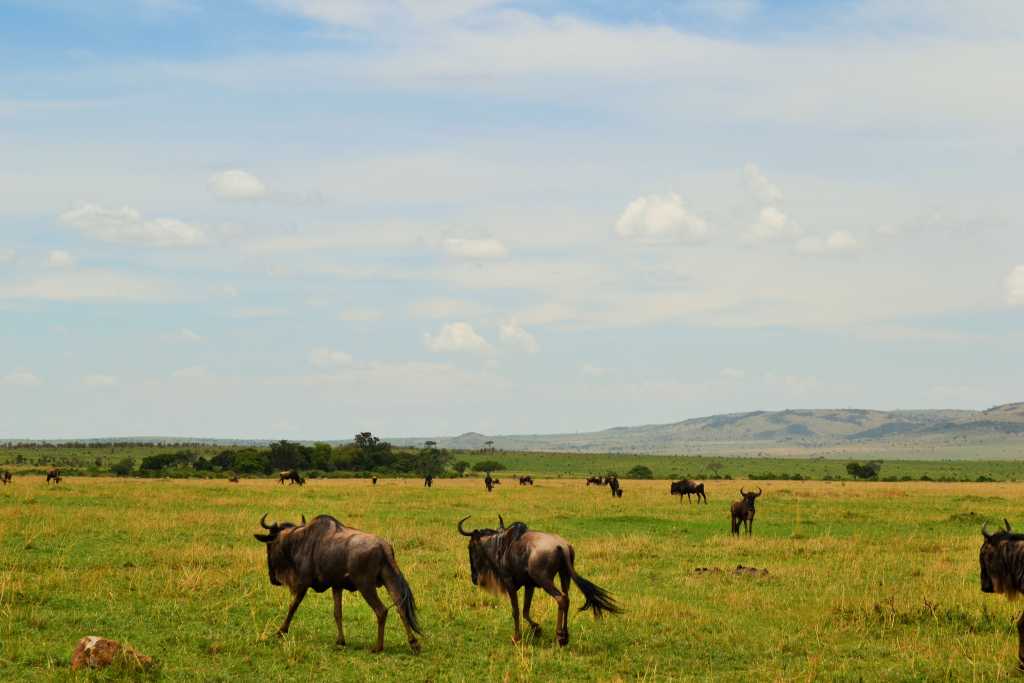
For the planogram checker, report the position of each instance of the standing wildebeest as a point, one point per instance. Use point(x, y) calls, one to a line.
point(375, 481)
point(505, 560)
point(613, 484)
point(428, 481)
point(53, 475)
point(291, 476)
point(743, 512)
point(488, 482)
point(527, 480)
point(597, 481)
point(5, 477)
point(233, 479)
point(687, 487)
point(1002, 571)
point(326, 554)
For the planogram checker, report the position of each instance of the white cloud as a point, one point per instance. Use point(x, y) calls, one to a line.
point(196, 372)
point(360, 315)
point(456, 337)
point(99, 380)
point(20, 378)
point(323, 357)
point(729, 10)
point(514, 335)
point(127, 226)
point(657, 219)
point(772, 224)
point(837, 242)
point(475, 248)
point(237, 184)
point(366, 14)
point(187, 336)
point(7, 256)
point(589, 370)
point(732, 373)
point(76, 285)
point(439, 308)
point(765, 191)
point(58, 258)
point(1015, 286)
point(260, 312)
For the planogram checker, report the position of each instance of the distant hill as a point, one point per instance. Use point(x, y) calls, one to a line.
point(844, 430)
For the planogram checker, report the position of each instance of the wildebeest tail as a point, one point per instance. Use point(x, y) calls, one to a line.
point(402, 595)
point(595, 598)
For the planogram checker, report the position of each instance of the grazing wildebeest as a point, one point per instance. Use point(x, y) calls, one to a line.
point(5, 477)
point(488, 482)
point(1002, 571)
point(687, 487)
point(326, 554)
point(291, 476)
point(428, 481)
point(613, 484)
point(233, 479)
point(597, 481)
point(505, 560)
point(53, 475)
point(527, 480)
point(743, 512)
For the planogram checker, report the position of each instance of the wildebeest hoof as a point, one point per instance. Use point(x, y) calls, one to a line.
point(340, 642)
point(375, 649)
point(281, 634)
point(535, 628)
point(415, 645)
point(563, 638)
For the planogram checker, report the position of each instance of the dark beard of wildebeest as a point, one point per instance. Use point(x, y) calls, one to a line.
point(1002, 571)
point(291, 476)
point(743, 512)
point(54, 476)
point(687, 487)
point(326, 554)
point(527, 480)
point(504, 560)
point(597, 481)
point(5, 477)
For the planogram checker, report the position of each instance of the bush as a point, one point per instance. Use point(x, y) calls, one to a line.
point(640, 472)
point(461, 466)
point(488, 466)
point(123, 468)
point(867, 470)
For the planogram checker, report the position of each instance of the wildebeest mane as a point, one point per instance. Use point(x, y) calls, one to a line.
point(495, 574)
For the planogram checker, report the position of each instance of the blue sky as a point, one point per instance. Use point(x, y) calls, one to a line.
point(307, 218)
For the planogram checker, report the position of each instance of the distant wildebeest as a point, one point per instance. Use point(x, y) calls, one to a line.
point(597, 481)
point(488, 482)
point(5, 477)
point(1002, 571)
point(504, 560)
point(613, 484)
point(743, 511)
point(291, 476)
point(526, 481)
point(233, 479)
point(326, 554)
point(375, 481)
point(428, 481)
point(53, 475)
point(687, 487)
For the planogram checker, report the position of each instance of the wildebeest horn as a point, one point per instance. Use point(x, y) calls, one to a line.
point(303, 520)
point(1007, 522)
point(984, 531)
point(501, 522)
point(461, 530)
point(741, 491)
point(759, 490)
point(263, 521)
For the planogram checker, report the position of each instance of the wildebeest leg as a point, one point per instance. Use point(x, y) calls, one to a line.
point(337, 615)
point(370, 595)
point(562, 598)
point(527, 600)
point(297, 594)
point(1020, 642)
point(513, 597)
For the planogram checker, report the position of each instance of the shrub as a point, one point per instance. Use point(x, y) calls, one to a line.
point(640, 472)
point(488, 466)
point(123, 467)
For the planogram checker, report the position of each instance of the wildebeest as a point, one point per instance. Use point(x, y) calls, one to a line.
point(526, 481)
point(374, 481)
point(5, 477)
point(488, 482)
point(687, 487)
point(1002, 571)
point(613, 484)
point(233, 479)
point(743, 511)
point(291, 476)
point(428, 481)
point(326, 554)
point(597, 481)
point(53, 475)
point(505, 560)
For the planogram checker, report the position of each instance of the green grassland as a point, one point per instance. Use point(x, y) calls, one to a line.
point(867, 581)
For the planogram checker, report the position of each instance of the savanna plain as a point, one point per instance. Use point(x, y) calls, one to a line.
point(866, 580)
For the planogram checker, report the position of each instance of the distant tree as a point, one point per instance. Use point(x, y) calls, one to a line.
point(488, 466)
point(372, 453)
point(286, 455)
point(430, 444)
point(123, 467)
point(431, 462)
point(461, 466)
point(640, 472)
point(867, 470)
point(490, 445)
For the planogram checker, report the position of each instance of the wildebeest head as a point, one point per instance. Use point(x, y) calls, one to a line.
point(750, 496)
point(479, 561)
point(993, 569)
point(278, 560)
